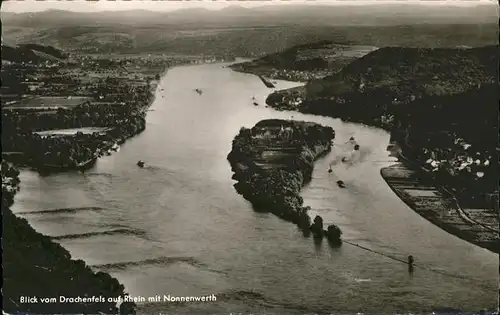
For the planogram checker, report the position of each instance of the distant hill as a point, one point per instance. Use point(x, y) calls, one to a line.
point(367, 15)
point(253, 32)
point(47, 50)
point(30, 53)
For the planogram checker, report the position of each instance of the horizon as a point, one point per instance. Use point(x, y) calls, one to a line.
point(28, 6)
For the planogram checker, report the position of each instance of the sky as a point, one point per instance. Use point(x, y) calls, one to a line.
point(169, 5)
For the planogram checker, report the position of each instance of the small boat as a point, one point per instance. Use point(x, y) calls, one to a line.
point(198, 91)
point(256, 104)
point(140, 163)
point(341, 184)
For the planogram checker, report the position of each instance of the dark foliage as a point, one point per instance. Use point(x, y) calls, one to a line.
point(277, 189)
point(35, 266)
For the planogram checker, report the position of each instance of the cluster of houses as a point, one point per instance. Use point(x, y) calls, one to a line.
point(281, 132)
point(297, 75)
point(461, 160)
point(9, 177)
point(288, 101)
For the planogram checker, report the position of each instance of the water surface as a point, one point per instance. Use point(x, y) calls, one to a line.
point(178, 227)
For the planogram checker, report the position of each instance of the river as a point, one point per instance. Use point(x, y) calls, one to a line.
point(180, 228)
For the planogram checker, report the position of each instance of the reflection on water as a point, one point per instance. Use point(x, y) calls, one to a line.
point(181, 229)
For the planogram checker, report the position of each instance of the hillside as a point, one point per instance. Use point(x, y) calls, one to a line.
point(395, 76)
point(30, 53)
point(305, 62)
point(47, 50)
point(406, 72)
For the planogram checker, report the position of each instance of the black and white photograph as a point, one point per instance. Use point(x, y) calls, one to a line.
point(221, 157)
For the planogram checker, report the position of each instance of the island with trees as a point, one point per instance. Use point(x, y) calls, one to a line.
point(273, 161)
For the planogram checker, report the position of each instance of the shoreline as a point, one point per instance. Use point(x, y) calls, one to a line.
point(236, 67)
point(273, 161)
point(438, 207)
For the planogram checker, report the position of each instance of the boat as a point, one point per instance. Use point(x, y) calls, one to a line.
point(256, 104)
point(140, 163)
point(341, 184)
point(198, 91)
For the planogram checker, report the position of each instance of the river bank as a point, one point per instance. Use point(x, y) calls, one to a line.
point(273, 161)
point(78, 150)
point(36, 267)
point(112, 93)
point(433, 203)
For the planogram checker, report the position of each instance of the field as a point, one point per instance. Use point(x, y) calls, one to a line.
point(40, 102)
point(73, 131)
point(474, 225)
